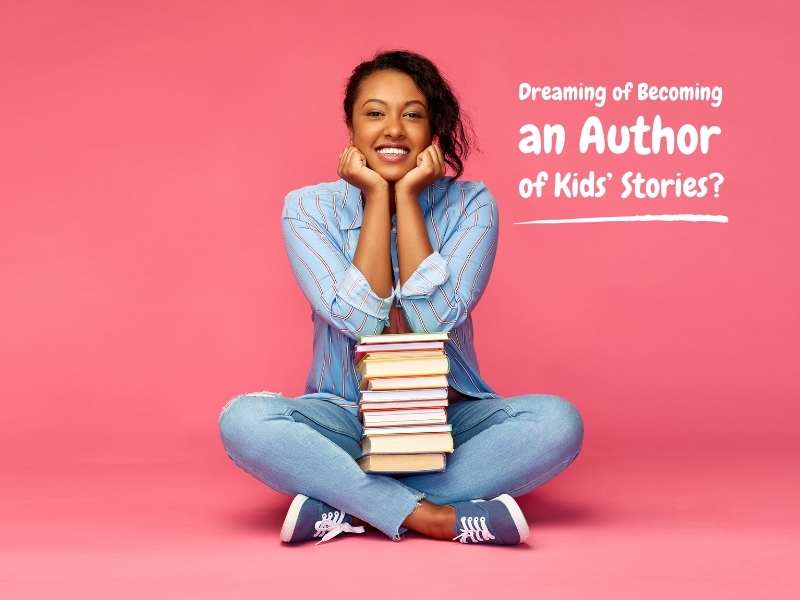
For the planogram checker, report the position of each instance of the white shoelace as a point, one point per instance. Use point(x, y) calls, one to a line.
point(474, 529)
point(332, 524)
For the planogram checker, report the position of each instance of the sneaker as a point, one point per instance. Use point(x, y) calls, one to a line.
point(496, 521)
point(308, 518)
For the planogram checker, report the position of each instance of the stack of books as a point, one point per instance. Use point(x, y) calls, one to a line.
point(403, 403)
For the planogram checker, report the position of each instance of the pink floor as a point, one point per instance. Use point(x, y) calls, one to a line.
point(717, 522)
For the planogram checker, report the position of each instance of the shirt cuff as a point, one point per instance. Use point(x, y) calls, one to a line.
point(428, 276)
point(356, 291)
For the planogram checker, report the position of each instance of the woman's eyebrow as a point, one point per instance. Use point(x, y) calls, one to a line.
point(406, 104)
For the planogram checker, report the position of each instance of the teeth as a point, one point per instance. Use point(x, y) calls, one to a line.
point(392, 151)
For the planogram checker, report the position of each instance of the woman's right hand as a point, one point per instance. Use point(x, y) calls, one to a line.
point(354, 170)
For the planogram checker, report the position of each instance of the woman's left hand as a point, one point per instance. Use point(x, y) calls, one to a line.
point(430, 167)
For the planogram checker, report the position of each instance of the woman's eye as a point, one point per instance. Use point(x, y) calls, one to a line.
point(378, 113)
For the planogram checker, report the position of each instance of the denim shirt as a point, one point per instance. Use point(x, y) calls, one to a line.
point(321, 225)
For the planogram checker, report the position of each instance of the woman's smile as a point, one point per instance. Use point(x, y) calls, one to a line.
point(393, 153)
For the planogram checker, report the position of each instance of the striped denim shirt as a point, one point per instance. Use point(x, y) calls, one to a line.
point(321, 224)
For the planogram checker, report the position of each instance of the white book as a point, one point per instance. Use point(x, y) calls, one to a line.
point(397, 395)
point(406, 404)
point(407, 429)
point(387, 338)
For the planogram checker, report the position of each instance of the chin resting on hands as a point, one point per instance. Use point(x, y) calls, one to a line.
point(354, 170)
point(430, 167)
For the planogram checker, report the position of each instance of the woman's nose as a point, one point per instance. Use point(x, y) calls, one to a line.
point(394, 126)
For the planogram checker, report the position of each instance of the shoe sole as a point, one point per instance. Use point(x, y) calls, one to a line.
point(289, 523)
point(516, 513)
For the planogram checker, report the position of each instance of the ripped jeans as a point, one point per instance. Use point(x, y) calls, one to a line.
point(309, 445)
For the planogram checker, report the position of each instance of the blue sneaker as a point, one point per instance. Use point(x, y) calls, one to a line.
point(496, 521)
point(308, 518)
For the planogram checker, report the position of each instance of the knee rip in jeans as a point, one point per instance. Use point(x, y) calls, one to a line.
point(235, 398)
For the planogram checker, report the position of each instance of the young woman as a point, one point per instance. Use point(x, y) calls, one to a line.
point(394, 246)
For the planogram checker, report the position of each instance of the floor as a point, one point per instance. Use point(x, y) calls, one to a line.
point(663, 523)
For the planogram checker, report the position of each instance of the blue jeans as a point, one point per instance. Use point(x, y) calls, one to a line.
point(308, 445)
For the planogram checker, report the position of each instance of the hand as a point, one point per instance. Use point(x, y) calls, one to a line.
point(354, 170)
point(397, 321)
point(430, 167)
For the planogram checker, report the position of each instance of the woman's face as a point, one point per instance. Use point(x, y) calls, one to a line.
point(390, 110)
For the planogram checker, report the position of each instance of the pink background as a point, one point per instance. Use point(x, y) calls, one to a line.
point(146, 150)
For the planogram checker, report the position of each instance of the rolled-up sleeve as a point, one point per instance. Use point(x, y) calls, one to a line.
point(336, 289)
point(356, 291)
point(447, 284)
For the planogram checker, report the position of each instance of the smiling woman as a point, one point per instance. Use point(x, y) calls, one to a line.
point(395, 245)
point(374, 110)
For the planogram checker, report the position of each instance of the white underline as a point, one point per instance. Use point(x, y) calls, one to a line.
point(684, 217)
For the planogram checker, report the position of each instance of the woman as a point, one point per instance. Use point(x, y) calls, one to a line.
point(393, 246)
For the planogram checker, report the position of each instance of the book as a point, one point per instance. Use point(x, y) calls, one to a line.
point(385, 418)
point(403, 395)
point(407, 443)
point(362, 349)
point(369, 431)
point(406, 367)
point(371, 356)
point(417, 413)
point(387, 338)
point(402, 463)
point(404, 399)
point(406, 404)
point(404, 383)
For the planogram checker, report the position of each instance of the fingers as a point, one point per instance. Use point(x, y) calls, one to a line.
point(438, 159)
point(354, 169)
point(360, 156)
point(433, 156)
point(442, 162)
point(344, 160)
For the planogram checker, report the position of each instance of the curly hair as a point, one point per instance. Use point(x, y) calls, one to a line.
point(447, 122)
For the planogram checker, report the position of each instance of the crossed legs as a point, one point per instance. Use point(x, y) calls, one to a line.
point(308, 445)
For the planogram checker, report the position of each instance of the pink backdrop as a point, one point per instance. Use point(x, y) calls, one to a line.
point(146, 151)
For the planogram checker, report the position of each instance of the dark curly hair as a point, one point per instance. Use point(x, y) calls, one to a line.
point(447, 122)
